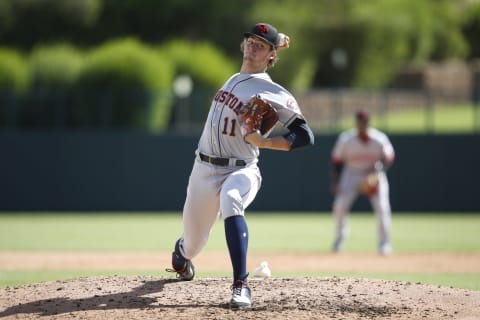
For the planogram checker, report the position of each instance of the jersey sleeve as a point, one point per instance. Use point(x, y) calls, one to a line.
point(290, 112)
point(286, 105)
point(338, 150)
point(387, 149)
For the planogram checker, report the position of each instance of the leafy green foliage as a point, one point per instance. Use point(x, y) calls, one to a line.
point(13, 80)
point(207, 65)
point(13, 70)
point(398, 29)
point(471, 28)
point(208, 69)
point(53, 70)
point(6, 16)
point(123, 64)
point(55, 66)
point(28, 22)
point(134, 79)
point(378, 36)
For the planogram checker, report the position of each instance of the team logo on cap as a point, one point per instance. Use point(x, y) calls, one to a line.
point(262, 28)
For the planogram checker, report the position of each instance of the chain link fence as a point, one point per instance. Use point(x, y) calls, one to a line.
point(327, 111)
point(393, 110)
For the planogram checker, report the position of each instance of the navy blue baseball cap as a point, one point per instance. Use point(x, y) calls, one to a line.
point(266, 32)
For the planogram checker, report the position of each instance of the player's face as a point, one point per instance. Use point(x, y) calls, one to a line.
point(257, 53)
point(362, 126)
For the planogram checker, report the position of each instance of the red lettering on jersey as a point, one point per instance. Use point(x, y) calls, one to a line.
point(229, 100)
point(217, 95)
point(233, 103)
point(229, 97)
point(223, 96)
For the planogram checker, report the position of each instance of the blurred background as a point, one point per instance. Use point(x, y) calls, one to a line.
point(102, 101)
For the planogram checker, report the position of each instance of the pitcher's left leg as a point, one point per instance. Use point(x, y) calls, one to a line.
point(200, 212)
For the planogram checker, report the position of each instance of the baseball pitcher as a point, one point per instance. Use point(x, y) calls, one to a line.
point(360, 158)
point(225, 177)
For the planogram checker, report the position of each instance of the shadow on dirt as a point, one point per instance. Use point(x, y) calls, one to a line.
point(123, 300)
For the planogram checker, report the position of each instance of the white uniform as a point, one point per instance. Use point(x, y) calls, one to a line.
point(361, 158)
point(228, 190)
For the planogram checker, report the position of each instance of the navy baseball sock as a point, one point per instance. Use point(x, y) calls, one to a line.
point(236, 233)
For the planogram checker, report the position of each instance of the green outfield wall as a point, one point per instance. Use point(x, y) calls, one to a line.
point(114, 171)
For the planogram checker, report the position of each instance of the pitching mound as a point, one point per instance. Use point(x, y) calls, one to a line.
point(144, 297)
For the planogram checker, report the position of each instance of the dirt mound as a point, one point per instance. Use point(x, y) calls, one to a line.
point(148, 297)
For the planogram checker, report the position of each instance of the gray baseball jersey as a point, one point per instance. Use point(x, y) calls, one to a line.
point(221, 135)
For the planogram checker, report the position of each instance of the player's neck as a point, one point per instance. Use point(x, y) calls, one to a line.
point(246, 70)
point(363, 136)
point(249, 68)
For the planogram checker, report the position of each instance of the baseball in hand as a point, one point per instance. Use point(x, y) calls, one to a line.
point(284, 41)
point(262, 271)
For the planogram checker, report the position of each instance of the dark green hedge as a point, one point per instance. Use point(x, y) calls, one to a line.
point(121, 84)
point(133, 82)
point(13, 70)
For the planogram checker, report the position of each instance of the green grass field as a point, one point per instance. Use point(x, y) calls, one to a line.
point(282, 232)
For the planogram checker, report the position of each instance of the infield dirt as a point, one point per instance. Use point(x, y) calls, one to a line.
point(163, 297)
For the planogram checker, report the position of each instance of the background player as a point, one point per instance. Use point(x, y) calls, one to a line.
point(357, 153)
point(225, 177)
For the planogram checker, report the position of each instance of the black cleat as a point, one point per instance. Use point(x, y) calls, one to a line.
point(185, 272)
point(183, 267)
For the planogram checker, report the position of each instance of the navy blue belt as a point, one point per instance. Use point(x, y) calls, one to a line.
point(223, 162)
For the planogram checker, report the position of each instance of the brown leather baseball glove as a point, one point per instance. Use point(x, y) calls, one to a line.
point(258, 114)
point(369, 186)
